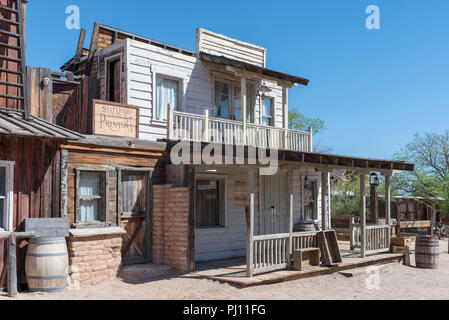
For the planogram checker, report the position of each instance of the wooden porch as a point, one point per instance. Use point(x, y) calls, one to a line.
point(234, 270)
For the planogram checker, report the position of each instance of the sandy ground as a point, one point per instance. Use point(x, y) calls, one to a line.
point(394, 281)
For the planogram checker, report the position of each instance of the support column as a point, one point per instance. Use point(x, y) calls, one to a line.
point(290, 217)
point(398, 218)
point(285, 108)
point(250, 227)
point(324, 197)
point(374, 204)
point(363, 214)
point(432, 219)
point(244, 107)
point(388, 207)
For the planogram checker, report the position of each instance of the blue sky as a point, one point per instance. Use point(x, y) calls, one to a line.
point(373, 88)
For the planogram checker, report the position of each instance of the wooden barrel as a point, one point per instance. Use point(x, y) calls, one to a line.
point(427, 252)
point(47, 265)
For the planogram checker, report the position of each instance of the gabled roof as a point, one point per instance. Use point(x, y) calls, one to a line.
point(12, 122)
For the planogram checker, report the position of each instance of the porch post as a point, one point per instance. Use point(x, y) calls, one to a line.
point(250, 227)
point(290, 218)
point(285, 108)
point(324, 196)
point(388, 207)
point(244, 107)
point(363, 214)
point(170, 122)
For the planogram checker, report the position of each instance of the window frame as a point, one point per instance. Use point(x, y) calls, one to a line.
point(108, 61)
point(180, 95)
point(223, 196)
point(8, 204)
point(104, 188)
point(273, 111)
point(315, 181)
point(232, 84)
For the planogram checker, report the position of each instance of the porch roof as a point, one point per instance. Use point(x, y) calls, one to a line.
point(330, 161)
point(13, 122)
point(253, 68)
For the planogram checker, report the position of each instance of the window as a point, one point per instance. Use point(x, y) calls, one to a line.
point(167, 93)
point(6, 194)
point(91, 196)
point(310, 195)
point(228, 100)
point(210, 203)
point(113, 80)
point(267, 111)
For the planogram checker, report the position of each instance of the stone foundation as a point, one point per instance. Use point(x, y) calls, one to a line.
point(94, 259)
point(171, 226)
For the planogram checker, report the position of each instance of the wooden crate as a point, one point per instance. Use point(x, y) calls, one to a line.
point(401, 241)
point(306, 258)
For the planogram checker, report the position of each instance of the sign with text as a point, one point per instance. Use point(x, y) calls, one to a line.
point(114, 119)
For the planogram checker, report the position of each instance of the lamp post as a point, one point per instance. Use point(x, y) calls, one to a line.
point(374, 181)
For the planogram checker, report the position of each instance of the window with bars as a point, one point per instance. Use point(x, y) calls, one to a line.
point(310, 199)
point(6, 193)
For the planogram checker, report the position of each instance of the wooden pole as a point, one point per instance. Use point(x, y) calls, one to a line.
point(374, 205)
point(290, 217)
point(388, 207)
point(324, 202)
point(206, 126)
point(285, 108)
point(12, 266)
point(310, 139)
point(250, 227)
point(170, 123)
point(432, 220)
point(244, 106)
point(398, 218)
point(363, 214)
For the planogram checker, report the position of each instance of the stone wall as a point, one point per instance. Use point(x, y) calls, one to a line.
point(94, 259)
point(171, 226)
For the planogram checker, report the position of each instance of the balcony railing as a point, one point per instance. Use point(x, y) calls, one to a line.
point(202, 128)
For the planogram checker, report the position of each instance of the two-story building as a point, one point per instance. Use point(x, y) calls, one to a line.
point(212, 204)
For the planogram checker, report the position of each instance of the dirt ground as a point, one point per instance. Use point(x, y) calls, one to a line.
point(394, 281)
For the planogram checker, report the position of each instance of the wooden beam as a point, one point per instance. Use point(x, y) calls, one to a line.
point(324, 195)
point(93, 47)
point(363, 214)
point(285, 110)
point(250, 226)
point(12, 266)
point(290, 217)
point(244, 106)
point(79, 50)
point(388, 207)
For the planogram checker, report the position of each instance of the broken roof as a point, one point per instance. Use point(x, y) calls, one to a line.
point(13, 122)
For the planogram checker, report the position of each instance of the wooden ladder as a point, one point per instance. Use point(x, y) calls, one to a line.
point(13, 93)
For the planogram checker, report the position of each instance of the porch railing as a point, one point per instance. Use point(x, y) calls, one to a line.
point(271, 252)
point(203, 128)
point(377, 240)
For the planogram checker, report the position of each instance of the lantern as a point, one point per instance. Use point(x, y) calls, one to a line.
point(374, 179)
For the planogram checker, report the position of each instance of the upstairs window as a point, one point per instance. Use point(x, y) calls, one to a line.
point(268, 111)
point(167, 93)
point(228, 100)
point(2, 196)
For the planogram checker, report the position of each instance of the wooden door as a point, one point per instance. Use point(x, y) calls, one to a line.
point(135, 208)
point(274, 204)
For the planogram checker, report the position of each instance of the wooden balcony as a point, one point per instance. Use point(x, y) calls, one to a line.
point(203, 128)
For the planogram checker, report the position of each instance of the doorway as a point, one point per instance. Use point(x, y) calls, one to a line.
point(273, 193)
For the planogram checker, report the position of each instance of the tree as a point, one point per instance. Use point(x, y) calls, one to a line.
point(430, 180)
point(298, 121)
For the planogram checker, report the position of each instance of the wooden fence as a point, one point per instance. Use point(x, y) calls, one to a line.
point(271, 252)
point(377, 240)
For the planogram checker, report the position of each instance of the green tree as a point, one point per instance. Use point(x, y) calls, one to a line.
point(430, 180)
point(298, 121)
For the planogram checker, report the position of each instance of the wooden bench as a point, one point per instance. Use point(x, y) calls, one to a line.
point(306, 258)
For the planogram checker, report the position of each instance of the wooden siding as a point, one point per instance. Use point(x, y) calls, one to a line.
point(230, 241)
point(145, 61)
point(217, 44)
